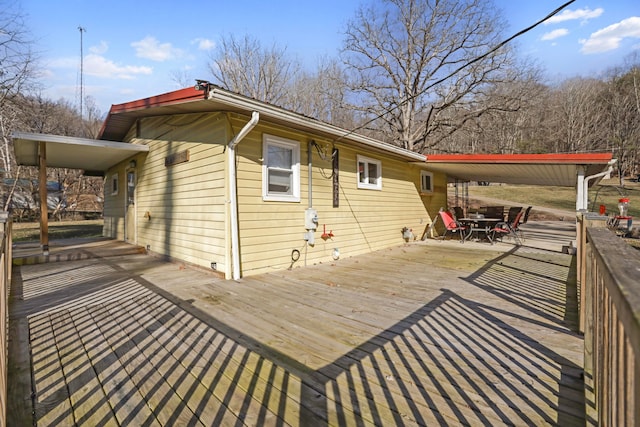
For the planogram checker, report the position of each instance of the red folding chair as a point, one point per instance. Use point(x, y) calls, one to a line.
point(451, 225)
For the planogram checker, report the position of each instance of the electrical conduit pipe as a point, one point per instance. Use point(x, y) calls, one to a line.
point(233, 190)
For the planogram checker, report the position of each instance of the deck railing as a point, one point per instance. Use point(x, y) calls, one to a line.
point(5, 282)
point(610, 319)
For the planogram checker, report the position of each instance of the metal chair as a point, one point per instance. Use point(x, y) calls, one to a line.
point(513, 212)
point(510, 229)
point(526, 215)
point(458, 212)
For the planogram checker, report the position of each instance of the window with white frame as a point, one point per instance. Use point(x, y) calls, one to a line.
point(280, 169)
point(426, 182)
point(114, 184)
point(369, 173)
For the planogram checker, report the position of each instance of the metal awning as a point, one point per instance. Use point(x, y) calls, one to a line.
point(91, 155)
point(530, 169)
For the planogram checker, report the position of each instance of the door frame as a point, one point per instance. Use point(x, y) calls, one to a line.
point(130, 216)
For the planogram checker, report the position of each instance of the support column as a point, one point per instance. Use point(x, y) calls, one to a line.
point(581, 204)
point(44, 209)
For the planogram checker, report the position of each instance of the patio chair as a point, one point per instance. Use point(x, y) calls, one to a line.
point(458, 212)
point(496, 212)
point(510, 229)
point(451, 225)
point(513, 212)
point(526, 215)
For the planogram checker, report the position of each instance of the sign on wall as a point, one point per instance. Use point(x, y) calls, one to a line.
point(176, 158)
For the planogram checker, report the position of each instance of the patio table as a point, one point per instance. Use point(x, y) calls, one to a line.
point(480, 225)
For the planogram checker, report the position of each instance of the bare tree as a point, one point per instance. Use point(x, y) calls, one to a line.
point(93, 119)
point(321, 94)
point(16, 71)
point(246, 67)
point(622, 107)
point(578, 119)
point(402, 55)
point(181, 77)
point(16, 56)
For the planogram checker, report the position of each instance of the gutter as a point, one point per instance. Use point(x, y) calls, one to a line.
point(582, 204)
point(233, 192)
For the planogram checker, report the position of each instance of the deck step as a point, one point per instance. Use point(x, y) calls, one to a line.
point(67, 250)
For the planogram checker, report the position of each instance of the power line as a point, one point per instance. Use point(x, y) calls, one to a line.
point(457, 70)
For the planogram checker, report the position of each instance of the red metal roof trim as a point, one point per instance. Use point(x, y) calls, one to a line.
point(573, 158)
point(175, 97)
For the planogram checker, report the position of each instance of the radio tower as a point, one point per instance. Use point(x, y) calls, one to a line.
point(82, 30)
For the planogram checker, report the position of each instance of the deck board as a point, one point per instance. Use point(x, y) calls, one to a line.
point(422, 334)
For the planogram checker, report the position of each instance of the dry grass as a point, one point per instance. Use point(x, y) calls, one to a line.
point(608, 194)
point(30, 231)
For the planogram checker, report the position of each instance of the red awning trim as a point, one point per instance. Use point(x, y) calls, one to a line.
point(573, 158)
point(175, 97)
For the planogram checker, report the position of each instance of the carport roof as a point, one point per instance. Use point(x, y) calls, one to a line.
point(532, 169)
point(74, 153)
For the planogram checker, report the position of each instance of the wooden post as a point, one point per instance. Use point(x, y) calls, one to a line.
point(581, 243)
point(585, 220)
point(44, 213)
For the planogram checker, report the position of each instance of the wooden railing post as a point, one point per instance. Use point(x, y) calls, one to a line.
point(5, 278)
point(584, 220)
point(612, 330)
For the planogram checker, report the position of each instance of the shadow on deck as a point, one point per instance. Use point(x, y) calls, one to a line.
point(423, 334)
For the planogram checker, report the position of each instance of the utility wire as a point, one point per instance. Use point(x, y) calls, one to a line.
point(457, 70)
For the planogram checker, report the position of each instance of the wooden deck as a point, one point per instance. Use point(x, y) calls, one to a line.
point(433, 333)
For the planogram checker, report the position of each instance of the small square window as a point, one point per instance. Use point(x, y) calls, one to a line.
point(369, 173)
point(114, 184)
point(426, 182)
point(280, 169)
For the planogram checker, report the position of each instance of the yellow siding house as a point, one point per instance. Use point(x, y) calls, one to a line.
point(244, 187)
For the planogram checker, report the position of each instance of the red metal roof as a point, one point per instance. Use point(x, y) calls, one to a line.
point(169, 98)
point(579, 158)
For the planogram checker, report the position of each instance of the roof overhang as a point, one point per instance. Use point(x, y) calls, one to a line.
point(531, 169)
point(122, 117)
point(93, 156)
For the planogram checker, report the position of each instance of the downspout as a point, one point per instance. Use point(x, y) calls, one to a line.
point(233, 192)
point(584, 203)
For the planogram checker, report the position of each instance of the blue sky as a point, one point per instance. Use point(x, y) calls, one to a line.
point(132, 48)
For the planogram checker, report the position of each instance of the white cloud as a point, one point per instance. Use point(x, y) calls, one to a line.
point(100, 49)
point(551, 35)
point(204, 44)
point(150, 48)
point(99, 66)
point(570, 15)
point(609, 38)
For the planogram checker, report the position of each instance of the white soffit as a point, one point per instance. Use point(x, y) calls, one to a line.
point(512, 170)
point(73, 153)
